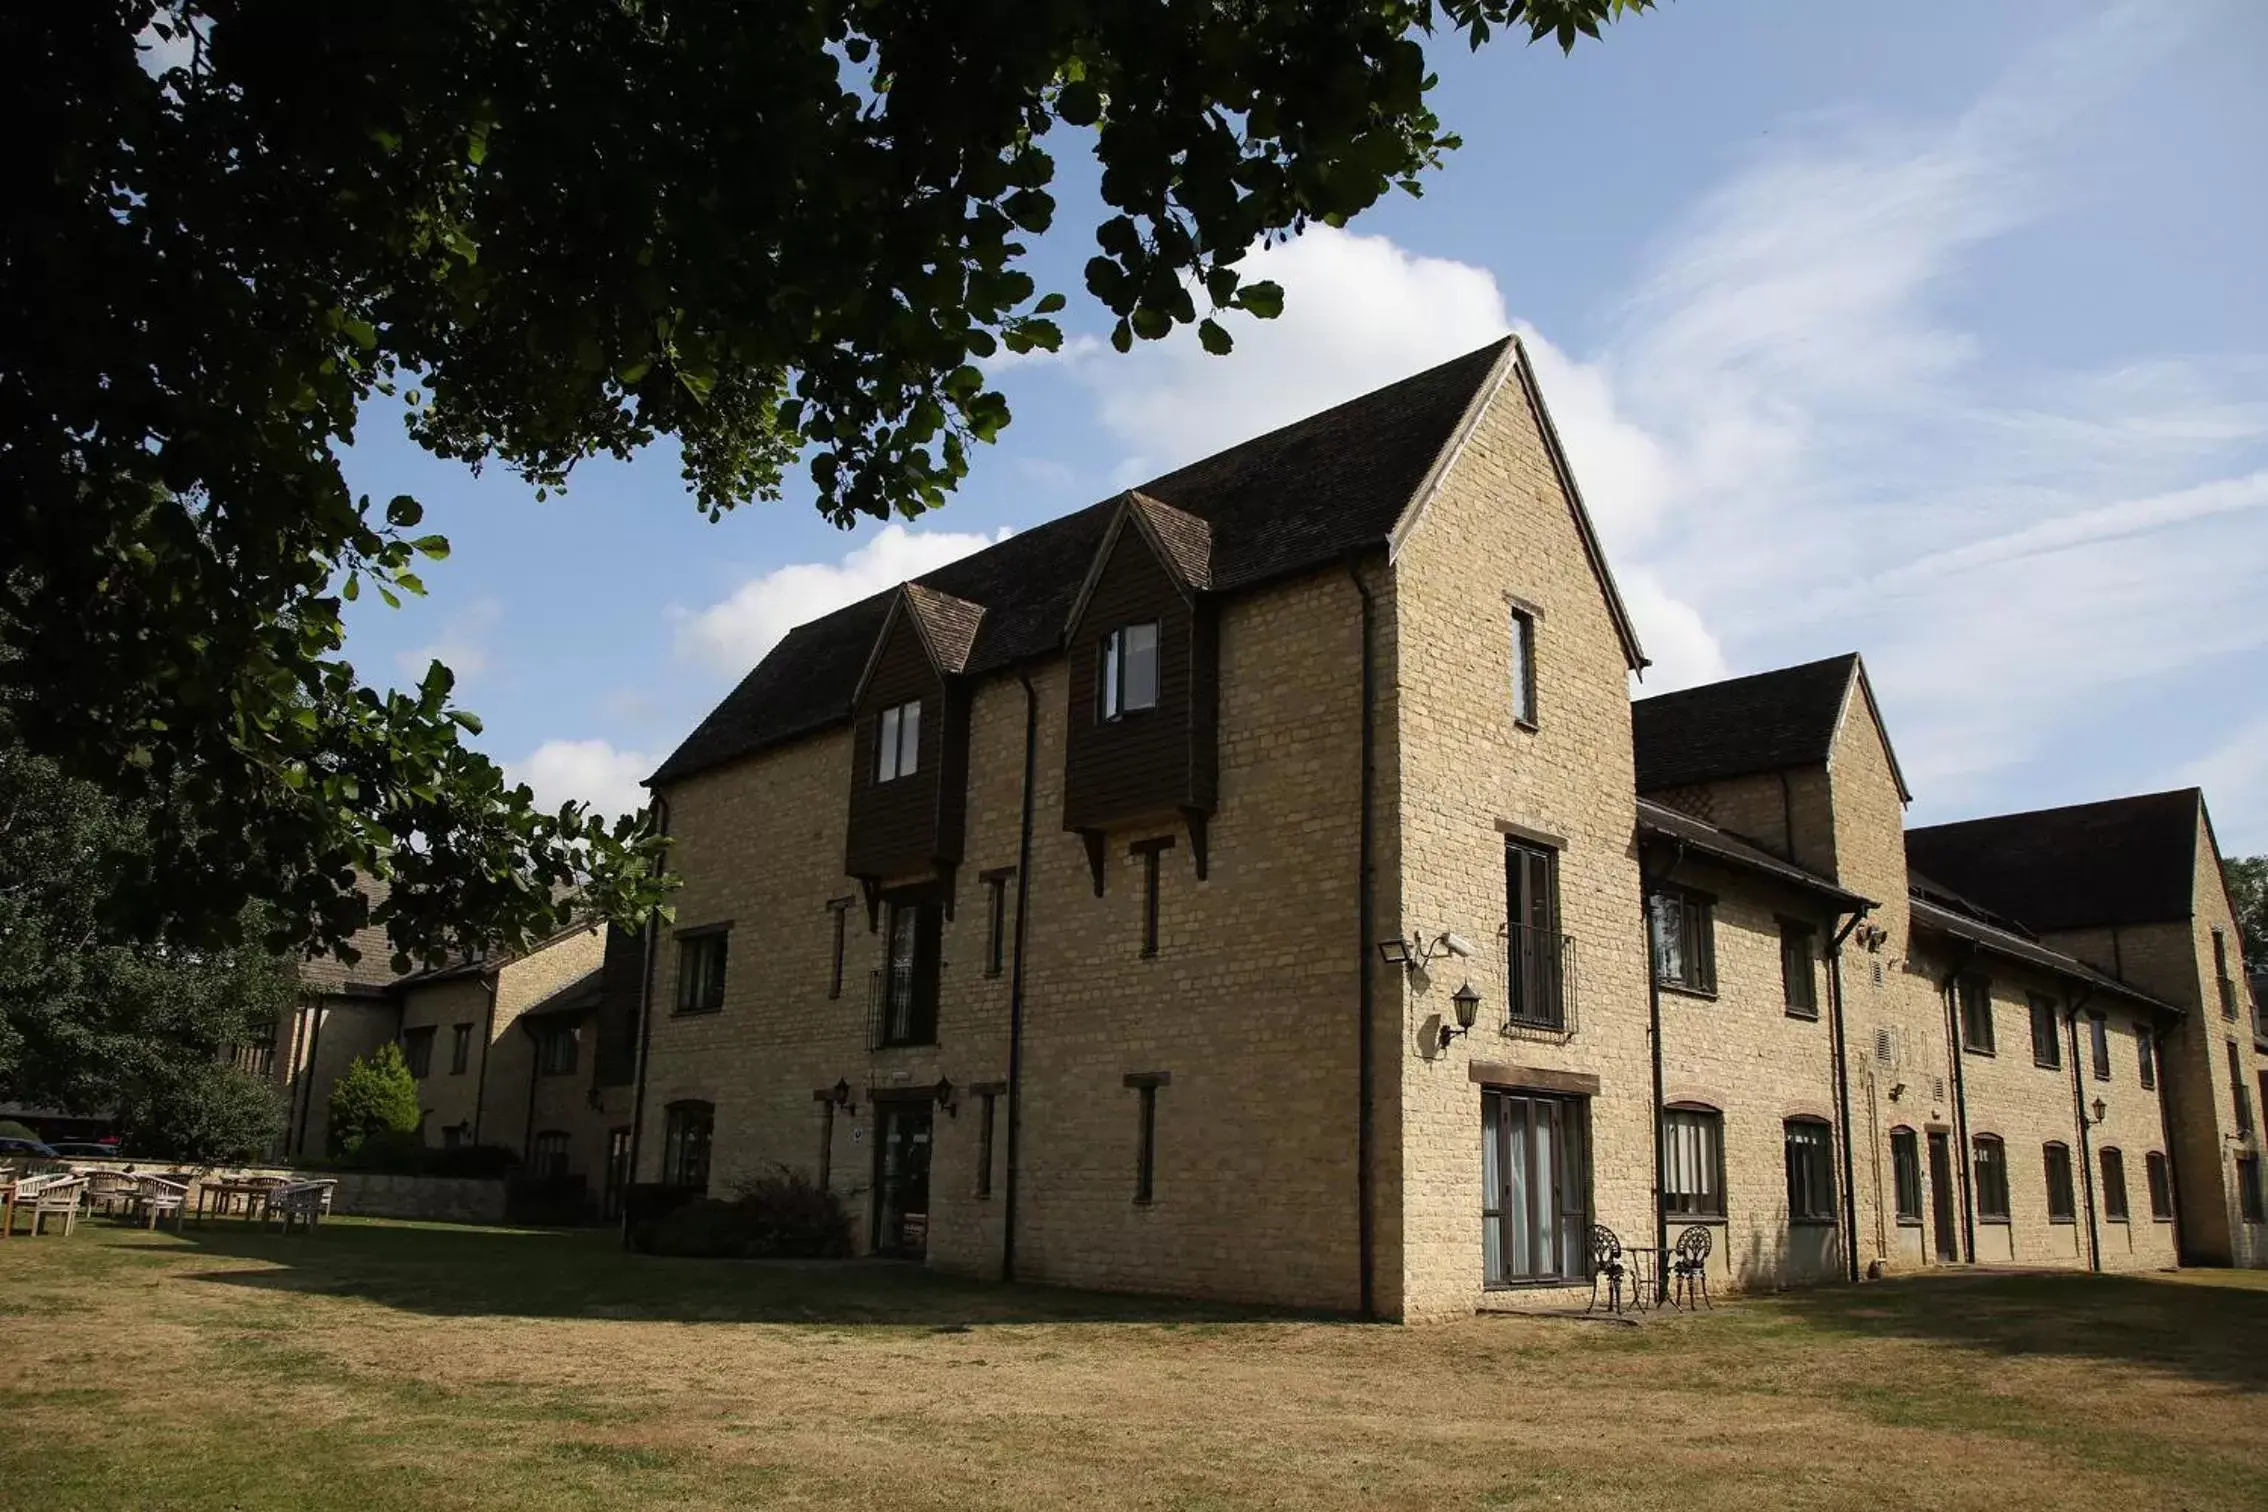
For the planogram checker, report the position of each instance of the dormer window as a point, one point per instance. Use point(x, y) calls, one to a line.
point(1129, 681)
point(897, 749)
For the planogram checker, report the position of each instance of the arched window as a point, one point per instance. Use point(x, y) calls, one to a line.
point(1989, 1171)
point(2055, 1156)
point(2114, 1185)
point(1693, 1161)
point(1811, 1170)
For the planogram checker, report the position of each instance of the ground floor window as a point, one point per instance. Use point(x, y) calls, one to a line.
point(2057, 1159)
point(1693, 1162)
point(2248, 1187)
point(549, 1158)
point(685, 1144)
point(1989, 1169)
point(1905, 1172)
point(1535, 1187)
point(1811, 1171)
point(2114, 1186)
point(2161, 1185)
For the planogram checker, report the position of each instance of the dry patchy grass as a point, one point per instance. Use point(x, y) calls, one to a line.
point(396, 1365)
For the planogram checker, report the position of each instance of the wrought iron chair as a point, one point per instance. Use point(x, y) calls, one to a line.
point(1607, 1263)
point(1689, 1268)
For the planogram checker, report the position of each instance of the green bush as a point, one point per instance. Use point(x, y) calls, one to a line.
point(377, 1096)
point(777, 1217)
point(204, 1113)
point(10, 1129)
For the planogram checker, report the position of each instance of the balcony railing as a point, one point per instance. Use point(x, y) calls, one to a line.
point(911, 1019)
point(1539, 968)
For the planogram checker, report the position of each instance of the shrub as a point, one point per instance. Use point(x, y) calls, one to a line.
point(645, 1204)
point(780, 1216)
point(398, 1152)
point(10, 1129)
point(205, 1113)
point(374, 1096)
point(483, 1160)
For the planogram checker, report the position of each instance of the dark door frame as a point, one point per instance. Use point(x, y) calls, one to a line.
point(1945, 1243)
point(886, 1104)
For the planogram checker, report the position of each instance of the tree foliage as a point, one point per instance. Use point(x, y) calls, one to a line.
point(96, 1016)
point(2248, 893)
point(557, 229)
point(373, 1100)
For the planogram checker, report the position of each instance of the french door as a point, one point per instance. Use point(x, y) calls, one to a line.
point(1535, 1188)
point(901, 1187)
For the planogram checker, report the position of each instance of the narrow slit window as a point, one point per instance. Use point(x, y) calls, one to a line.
point(985, 1110)
point(1145, 1086)
point(2114, 1186)
point(1523, 667)
point(1147, 852)
point(837, 912)
point(996, 921)
point(2098, 1045)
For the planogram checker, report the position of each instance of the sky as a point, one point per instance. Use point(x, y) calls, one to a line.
point(1935, 331)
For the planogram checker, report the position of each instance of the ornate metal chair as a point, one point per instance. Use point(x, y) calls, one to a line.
point(1689, 1268)
point(1607, 1264)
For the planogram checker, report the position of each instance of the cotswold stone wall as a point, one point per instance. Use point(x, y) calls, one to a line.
point(361, 1194)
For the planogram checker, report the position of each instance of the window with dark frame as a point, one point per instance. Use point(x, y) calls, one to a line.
point(996, 920)
point(2221, 974)
point(555, 1050)
point(2047, 1040)
point(986, 1102)
point(1988, 1167)
point(686, 1133)
point(2098, 1045)
point(2160, 1181)
point(2114, 1185)
point(1799, 982)
point(548, 1159)
point(1147, 852)
point(1811, 1170)
point(1975, 996)
point(460, 1049)
point(1127, 681)
point(2146, 1057)
point(2055, 1157)
point(911, 970)
point(1523, 666)
point(2239, 1094)
point(1683, 927)
point(1536, 953)
point(1693, 1161)
point(2249, 1199)
point(897, 741)
point(838, 926)
point(1145, 1085)
point(701, 971)
point(1535, 1187)
point(417, 1051)
point(1905, 1173)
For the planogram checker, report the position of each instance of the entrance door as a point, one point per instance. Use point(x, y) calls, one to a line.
point(1535, 1188)
point(901, 1184)
point(1941, 1196)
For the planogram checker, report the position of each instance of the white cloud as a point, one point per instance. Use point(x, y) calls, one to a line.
point(588, 771)
point(736, 633)
point(461, 646)
point(2234, 775)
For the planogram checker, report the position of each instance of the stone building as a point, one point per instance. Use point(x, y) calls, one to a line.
point(1261, 885)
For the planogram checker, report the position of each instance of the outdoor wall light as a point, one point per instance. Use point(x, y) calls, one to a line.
point(945, 1099)
point(840, 1097)
point(1418, 954)
point(1394, 952)
point(2100, 1110)
point(1467, 1003)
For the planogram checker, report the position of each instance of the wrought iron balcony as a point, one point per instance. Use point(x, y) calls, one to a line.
point(1539, 968)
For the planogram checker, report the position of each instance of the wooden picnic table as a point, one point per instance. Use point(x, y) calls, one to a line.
point(224, 1191)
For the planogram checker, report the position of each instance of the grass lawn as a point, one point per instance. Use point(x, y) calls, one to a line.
point(380, 1365)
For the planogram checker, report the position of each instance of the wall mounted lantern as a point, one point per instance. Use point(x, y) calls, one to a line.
point(841, 1098)
point(1467, 1003)
point(945, 1097)
point(2100, 1110)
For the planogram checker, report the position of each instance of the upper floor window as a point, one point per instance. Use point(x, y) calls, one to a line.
point(685, 1144)
point(897, 742)
point(2221, 974)
point(701, 972)
point(1990, 1161)
point(555, 1050)
point(2239, 1093)
point(909, 974)
point(417, 1050)
point(1129, 681)
point(1975, 994)
point(1536, 953)
point(2047, 1045)
point(2098, 1045)
point(2057, 1159)
point(1798, 982)
point(996, 919)
point(2146, 1056)
point(1683, 927)
point(1811, 1170)
point(1523, 667)
point(1693, 1162)
point(460, 1049)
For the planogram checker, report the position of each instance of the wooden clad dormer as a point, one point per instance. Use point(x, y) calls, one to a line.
point(1143, 730)
point(910, 743)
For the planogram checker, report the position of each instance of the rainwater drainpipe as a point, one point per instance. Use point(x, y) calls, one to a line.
point(1016, 984)
point(1843, 1086)
point(1365, 1134)
point(2086, 1151)
point(1949, 990)
point(2165, 1130)
point(495, 980)
point(645, 1024)
point(307, 1076)
point(1646, 884)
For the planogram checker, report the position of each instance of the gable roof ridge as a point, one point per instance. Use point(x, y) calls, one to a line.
point(1865, 688)
point(948, 625)
point(1183, 541)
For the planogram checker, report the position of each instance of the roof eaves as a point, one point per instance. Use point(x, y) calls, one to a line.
point(1865, 687)
point(1699, 834)
point(1932, 916)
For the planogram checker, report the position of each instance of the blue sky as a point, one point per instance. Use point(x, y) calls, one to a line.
point(1935, 331)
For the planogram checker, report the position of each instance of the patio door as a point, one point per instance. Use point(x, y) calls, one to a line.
point(1535, 1188)
point(901, 1179)
point(1941, 1197)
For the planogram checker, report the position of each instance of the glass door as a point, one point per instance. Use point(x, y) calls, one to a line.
point(901, 1187)
point(1535, 1188)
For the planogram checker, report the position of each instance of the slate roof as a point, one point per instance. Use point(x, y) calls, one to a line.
point(1286, 502)
point(1701, 836)
point(949, 624)
point(1767, 722)
point(373, 973)
point(2123, 861)
point(2016, 947)
point(577, 998)
point(1186, 540)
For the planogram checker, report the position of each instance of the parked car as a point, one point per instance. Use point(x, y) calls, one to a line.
point(30, 1147)
point(85, 1149)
